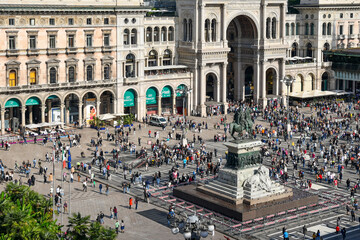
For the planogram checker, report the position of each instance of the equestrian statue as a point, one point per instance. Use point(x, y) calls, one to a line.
point(242, 122)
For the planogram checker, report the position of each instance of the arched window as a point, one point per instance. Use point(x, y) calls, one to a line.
point(156, 34)
point(130, 66)
point(207, 30)
point(149, 34)
point(163, 34)
point(326, 48)
point(107, 72)
point(126, 37)
point(297, 28)
point(185, 26)
point(190, 30)
point(293, 29)
point(12, 78)
point(294, 50)
point(89, 73)
point(53, 75)
point(273, 28)
point(302, 84)
point(324, 29)
point(71, 74)
point(312, 29)
point(287, 30)
point(171, 34)
point(268, 23)
point(329, 29)
point(32, 77)
point(133, 36)
point(306, 29)
point(167, 57)
point(309, 50)
point(213, 30)
point(152, 61)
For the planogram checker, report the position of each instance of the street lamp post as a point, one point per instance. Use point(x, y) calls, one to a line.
point(192, 227)
point(288, 80)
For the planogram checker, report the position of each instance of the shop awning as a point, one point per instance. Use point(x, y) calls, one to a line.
point(107, 116)
point(151, 96)
point(166, 92)
point(12, 103)
point(129, 98)
point(32, 101)
point(180, 87)
point(313, 94)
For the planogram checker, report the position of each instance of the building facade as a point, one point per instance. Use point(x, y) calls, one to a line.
point(74, 61)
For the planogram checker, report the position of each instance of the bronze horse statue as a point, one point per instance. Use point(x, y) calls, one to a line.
point(242, 122)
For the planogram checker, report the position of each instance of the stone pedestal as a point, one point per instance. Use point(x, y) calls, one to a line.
point(243, 189)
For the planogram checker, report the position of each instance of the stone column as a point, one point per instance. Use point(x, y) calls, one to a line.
point(67, 111)
point(43, 106)
point(49, 111)
point(62, 107)
point(174, 103)
point(195, 87)
point(224, 86)
point(159, 104)
point(80, 113)
point(256, 81)
point(2, 118)
point(263, 83)
point(223, 22)
point(23, 121)
point(202, 87)
point(98, 108)
point(282, 21)
point(30, 114)
point(242, 82)
point(202, 22)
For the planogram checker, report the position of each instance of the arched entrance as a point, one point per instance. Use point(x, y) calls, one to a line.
point(167, 100)
point(241, 34)
point(52, 111)
point(13, 118)
point(249, 82)
point(33, 113)
point(71, 108)
point(324, 81)
point(211, 87)
point(152, 96)
point(130, 102)
point(91, 110)
point(270, 81)
point(106, 102)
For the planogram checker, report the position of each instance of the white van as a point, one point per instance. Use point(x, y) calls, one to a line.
point(158, 121)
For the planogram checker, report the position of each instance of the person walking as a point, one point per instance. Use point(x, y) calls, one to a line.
point(304, 230)
point(343, 233)
point(115, 213)
point(286, 235)
point(117, 225)
point(65, 207)
point(130, 202)
point(100, 188)
point(352, 215)
point(136, 203)
point(107, 189)
point(111, 212)
point(122, 226)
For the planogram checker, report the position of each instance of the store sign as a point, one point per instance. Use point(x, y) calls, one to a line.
point(166, 92)
point(129, 99)
point(32, 101)
point(151, 96)
point(12, 103)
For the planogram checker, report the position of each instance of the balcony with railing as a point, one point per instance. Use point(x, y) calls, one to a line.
point(166, 72)
point(300, 62)
point(32, 52)
point(58, 86)
point(12, 52)
point(71, 50)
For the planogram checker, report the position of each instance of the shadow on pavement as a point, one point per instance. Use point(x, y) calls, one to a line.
point(155, 215)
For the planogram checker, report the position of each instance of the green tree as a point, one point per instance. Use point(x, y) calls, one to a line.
point(25, 214)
